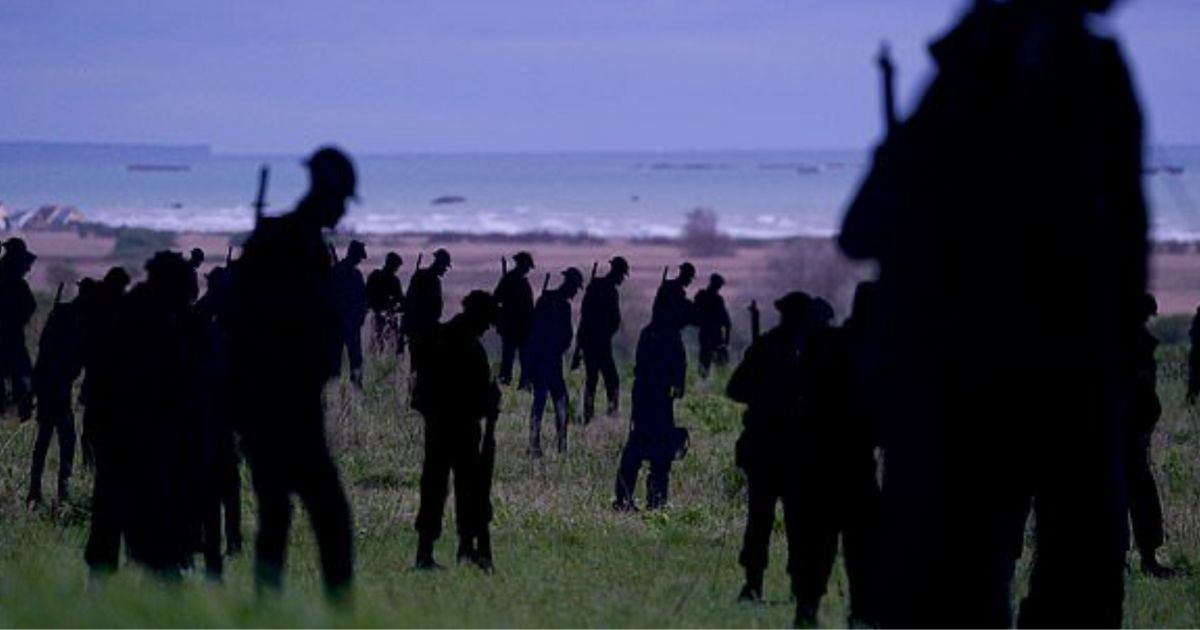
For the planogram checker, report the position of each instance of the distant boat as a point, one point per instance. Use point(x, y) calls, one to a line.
point(448, 199)
point(158, 168)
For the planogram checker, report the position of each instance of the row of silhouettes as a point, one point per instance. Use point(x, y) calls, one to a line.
point(999, 367)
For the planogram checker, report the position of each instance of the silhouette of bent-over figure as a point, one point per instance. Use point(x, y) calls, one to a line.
point(16, 309)
point(456, 394)
point(350, 292)
point(713, 320)
point(549, 340)
point(285, 322)
point(515, 298)
point(599, 320)
point(423, 306)
point(659, 375)
point(59, 363)
point(672, 295)
point(385, 298)
point(1008, 221)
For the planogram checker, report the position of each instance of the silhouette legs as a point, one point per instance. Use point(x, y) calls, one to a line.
point(64, 425)
point(598, 362)
point(554, 388)
point(639, 448)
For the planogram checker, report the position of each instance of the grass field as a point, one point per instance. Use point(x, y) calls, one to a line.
point(563, 557)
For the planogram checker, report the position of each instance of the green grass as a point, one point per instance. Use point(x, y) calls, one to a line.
point(563, 557)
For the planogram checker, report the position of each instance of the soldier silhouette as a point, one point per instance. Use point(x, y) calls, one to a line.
point(549, 340)
point(455, 393)
point(16, 309)
point(423, 307)
point(599, 320)
point(350, 293)
point(385, 298)
point(196, 261)
point(213, 478)
point(659, 378)
point(59, 363)
point(672, 294)
point(1010, 202)
point(1145, 507)
point(150, 429)
point(515, 299)
point(713, 319)
point(98, 312)
point(284, 323)
point(101, 433)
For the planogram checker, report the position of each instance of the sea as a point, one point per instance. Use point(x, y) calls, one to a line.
point(756, 194)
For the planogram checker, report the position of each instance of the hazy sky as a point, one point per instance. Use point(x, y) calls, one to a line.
point(467, 75)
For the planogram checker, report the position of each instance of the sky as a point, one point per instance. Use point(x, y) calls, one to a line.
point(511, 75)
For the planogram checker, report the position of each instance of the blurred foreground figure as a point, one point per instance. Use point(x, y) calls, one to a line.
point(285, 323)
point(549, 340)
point(659, 377)
point(1009, 225)
point(59, 363)
point(456, 395)
point(16, 309)
point(350, 294)
point(599, 320)
point(1145, 506)
point(713, 319)
point(385, 298)
point(515, 298)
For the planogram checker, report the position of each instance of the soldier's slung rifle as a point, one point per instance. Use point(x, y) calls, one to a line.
point(755, 321)
point(503, 266)
point(58, 294)
point(229, 256)
point(546, 283)
point(260, 200)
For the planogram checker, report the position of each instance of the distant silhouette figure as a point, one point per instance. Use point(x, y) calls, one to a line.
point(672, 295)
point(284, 324)
point(213, 477)
point(16, 309)
point(59, 363)
point(150, 431)
point(456, 394)
point(1193, 387)
point(549, 340)
point(1009, 225)
point(600, 319)
point(1145, 507)
point(713, 319)
point(385, 298)
point(101, 417)
point(423, 306)
point(802, 445)
point(515, 298)
point(659, 376)
point(350, 293)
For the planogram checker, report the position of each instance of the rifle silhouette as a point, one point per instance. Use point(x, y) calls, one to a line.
point(229, 256)
point(332, 252)
point(755, 321)
point(260, 201)
point(546, 283)
point(58, 294)
point(577, 357)
point(887, 71)
point(503, 266)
